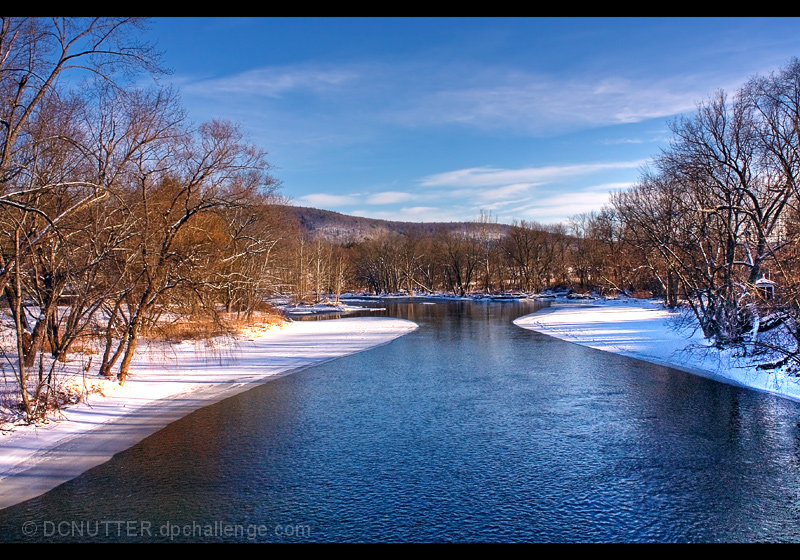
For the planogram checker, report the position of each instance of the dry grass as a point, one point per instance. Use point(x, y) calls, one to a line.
point(76, 390)
point(187, 329)
point(260, 326)
point(207, 328)
point(259, 323)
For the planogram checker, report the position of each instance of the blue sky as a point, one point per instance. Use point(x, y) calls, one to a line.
point(438, 119)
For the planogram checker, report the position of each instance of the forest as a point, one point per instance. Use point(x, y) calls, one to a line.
point(121, 217)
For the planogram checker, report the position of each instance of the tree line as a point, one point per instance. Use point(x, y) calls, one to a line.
point(589, 253)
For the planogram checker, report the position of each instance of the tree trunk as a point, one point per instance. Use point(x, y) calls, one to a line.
point(133, 339)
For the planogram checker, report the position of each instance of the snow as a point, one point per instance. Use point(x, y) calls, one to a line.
point(324, 308)
point(646, 330)
point(166, 385)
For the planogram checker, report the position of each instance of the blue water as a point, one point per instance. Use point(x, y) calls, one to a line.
point(468, 429)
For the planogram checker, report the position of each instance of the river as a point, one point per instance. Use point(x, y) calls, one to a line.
point(467, 429)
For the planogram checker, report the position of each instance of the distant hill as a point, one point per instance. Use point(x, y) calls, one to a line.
point(342, 228)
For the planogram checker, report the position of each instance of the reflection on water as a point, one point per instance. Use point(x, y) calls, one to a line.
point(467, 429)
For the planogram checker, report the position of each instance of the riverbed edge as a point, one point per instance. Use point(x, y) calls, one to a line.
point(772, 382)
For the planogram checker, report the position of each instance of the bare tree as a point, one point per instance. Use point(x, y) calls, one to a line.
point(43, 178)
point(210, 169)
point(34, 54)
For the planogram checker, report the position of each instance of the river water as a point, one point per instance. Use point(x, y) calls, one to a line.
point(467, 429)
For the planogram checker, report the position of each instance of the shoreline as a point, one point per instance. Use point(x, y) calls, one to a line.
point(34, 459)
point(647, 331)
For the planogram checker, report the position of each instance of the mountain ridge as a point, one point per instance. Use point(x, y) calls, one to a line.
point(345, 228)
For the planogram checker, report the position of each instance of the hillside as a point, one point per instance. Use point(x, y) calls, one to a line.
point(342, 228)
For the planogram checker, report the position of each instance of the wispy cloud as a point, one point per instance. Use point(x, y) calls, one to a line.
point(505, 192)
point(275, 81)
point(389, 197)
point(560, 207)
point(461, 194)
point(543, 104)
point(431, 93)
point(474, 177)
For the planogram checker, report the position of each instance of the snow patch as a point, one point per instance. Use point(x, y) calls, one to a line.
point(166, 384)
point(644, 329)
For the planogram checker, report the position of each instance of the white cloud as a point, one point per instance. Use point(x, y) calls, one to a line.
point(420, 209)
point(389, 197)
point(560, 207)
point(542, 104)
point(275, 81)
point(582, 200)
point(417, 93)
point(474, 177)
point(460, 195)
point(505, 192)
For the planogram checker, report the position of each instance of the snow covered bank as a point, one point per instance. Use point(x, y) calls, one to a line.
point(647, 331)
point(164, 386)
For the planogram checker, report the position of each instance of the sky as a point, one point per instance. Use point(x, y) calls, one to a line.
point(438, 119)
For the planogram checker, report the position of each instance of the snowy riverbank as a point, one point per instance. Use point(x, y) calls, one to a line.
point(648, 331)
point(165, 386)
